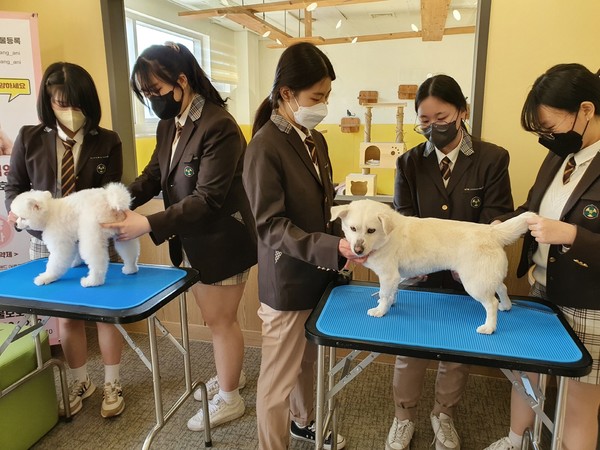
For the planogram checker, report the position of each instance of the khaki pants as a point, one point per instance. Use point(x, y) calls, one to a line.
point(286, 380)
point(409, 375)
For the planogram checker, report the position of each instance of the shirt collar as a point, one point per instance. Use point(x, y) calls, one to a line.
point(63, 136)
point(586, 154)
point(465, 146)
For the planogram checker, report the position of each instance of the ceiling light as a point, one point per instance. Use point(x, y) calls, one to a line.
point(266, 33)
point(312, 7)
point(414, 27)
point(278, 41)
point(338, 25)
point(354, 39)
point(456, 14)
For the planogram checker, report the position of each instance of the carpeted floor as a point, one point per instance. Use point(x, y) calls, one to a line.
point(367, 409)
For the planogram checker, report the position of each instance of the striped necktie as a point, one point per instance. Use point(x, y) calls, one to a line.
point(569, 168)
point(310, 144)
point(445, 168)
point(67, 171)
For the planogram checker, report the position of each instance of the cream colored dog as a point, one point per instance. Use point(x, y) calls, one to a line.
point(400, 247)
point(73, 223)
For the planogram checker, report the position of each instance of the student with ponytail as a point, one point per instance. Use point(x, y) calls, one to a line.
point(197, 165)
point(288, 178)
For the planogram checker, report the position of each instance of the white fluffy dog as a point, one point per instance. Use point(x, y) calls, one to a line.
point(401, 247)
point(73, 223)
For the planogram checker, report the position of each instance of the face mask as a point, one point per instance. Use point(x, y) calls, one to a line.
point(564, 144)
point(441, 135)
point(70, 118)
point(309, 116)
point(165, 106)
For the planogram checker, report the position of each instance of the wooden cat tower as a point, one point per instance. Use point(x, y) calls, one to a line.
point(379, 155)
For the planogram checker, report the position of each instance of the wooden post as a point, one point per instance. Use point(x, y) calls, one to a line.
point(399, 122)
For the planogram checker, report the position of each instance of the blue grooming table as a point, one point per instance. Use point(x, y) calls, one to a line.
point(442, 326)
point(122, 299)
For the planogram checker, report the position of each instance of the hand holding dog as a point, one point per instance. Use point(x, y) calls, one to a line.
point(549, 231)
point(132, 226)
point(346, 251)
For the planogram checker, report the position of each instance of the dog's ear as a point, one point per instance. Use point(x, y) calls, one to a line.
point(387, 222)
point(33, 205)
point(339, 211)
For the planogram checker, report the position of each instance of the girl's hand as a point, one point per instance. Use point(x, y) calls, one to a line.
point(134, 225)
point(550, 231)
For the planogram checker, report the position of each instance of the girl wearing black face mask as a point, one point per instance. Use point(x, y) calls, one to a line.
point(561, 250)
point(197, 165)
point(474, 186)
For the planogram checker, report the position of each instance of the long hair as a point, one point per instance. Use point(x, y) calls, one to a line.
point(444, 88)
point(300, 66)
point(564, 86)
point(167, 62)
point(74, 86)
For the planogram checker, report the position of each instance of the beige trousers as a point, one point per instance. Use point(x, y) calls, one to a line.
point(286, 380)
point(409, 375)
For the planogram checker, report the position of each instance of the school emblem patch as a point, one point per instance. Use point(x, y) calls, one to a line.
point(590, 212)
point(475, 202)
point(188, 171)
point(100, 168)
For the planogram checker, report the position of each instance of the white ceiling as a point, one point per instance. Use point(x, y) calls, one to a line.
point(386, 16)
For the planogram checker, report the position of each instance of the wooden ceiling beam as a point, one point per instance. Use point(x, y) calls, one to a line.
point(318, 40)
point(269, 7)
point(259, 26)
point(433, 19)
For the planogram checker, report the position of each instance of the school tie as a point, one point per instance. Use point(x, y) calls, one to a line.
point(310, 144)
point(569, 168)
point(445, 168)
point(67, 177)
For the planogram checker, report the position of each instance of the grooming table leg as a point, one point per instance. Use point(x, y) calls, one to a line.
point(320, 397)
point(559, 414)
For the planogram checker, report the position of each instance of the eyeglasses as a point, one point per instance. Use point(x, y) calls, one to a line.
point(549, 135)
point(440, 126)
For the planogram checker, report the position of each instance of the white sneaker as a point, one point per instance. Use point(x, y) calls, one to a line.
point(212, 387)
point(113, 403)
point(78, 391)
point(219, 412)
point(502, 444)
point(400, 435)
point(446, 437)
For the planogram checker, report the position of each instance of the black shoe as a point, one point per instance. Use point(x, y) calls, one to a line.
point(307, 433)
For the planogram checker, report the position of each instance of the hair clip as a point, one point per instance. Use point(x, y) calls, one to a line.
point(172, 45)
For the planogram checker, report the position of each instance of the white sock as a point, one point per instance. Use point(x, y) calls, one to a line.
point(229, 397)
point(515, 439)
point(111, 373)
point(80, 373)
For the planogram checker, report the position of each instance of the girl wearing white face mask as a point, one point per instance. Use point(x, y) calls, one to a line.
point(69, 111)
point(288, 179)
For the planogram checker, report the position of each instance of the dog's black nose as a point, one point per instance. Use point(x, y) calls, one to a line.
point(359, 249)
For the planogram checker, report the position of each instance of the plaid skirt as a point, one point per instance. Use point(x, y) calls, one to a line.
point(586, 325)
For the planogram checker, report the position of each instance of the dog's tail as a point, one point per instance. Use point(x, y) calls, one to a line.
point(117, 196)
point(510, 230)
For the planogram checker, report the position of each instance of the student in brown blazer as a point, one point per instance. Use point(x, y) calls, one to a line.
point(69, 109)
point(197, 165)
point(560, 252)
point(288, 177)
point(474, 186)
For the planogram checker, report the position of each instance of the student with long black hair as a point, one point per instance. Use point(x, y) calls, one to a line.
point(197, 165)
point(288, 178)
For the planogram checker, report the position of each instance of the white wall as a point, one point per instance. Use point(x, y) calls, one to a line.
point(382, 66)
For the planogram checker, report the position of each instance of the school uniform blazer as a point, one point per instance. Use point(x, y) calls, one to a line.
point(478, 190)
point(206, 209)
point(573, 276)
point(297, 251)
point(33, 162)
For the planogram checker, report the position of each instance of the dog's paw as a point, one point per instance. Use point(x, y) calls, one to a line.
point(377, 312)
point(505, 307)
point(90, 281)
point(130, 269)
point(485, 329)
point(42, 279)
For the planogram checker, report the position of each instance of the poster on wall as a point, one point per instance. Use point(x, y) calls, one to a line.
point(20, 75)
